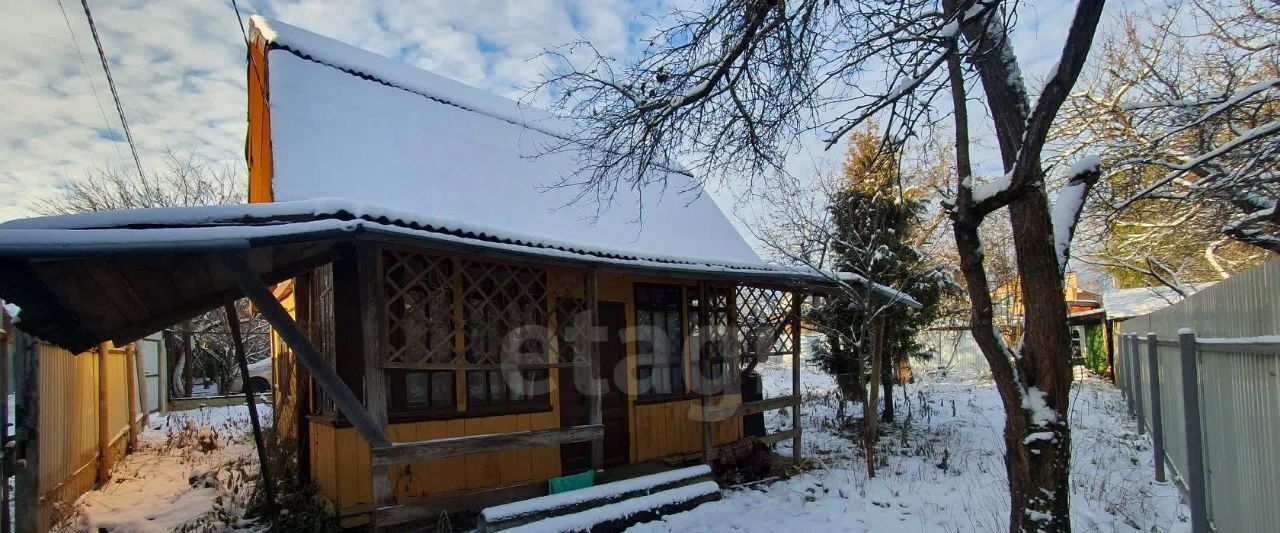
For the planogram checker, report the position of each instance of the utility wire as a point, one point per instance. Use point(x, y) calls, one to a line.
point(253, 66)
point(93, 86)
point(102, 55)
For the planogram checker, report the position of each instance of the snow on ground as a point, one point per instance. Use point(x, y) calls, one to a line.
point(959, 417)
point(194, 471)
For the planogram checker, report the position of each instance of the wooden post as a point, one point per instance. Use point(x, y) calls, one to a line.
point(140, 378)
point(6, 518)
point(303, 351)
point(596, 377)
point(797, 299)
point(27, 437)
point(104, 430)
point(233, 323)
point(373, 326)
point(1197, 489)
point(131, 388)
point(704, 392)
point(870, 413)
point(1157, 425)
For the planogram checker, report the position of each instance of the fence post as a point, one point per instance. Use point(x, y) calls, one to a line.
point(1125, 375)
point(1157, 425)
point(1137, 382)
point(1197, 490)
point(26, 434)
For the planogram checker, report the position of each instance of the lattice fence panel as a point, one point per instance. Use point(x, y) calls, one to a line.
point(420, 299)
point(765, 319)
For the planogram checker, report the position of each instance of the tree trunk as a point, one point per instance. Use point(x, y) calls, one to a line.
point(887, 379)
point(870, 407)
point(1038, 442)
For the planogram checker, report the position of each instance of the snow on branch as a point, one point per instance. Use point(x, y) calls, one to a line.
point(1068, 204)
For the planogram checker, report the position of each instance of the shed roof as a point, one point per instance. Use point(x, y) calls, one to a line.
point(1126, 303)
point(408, 144)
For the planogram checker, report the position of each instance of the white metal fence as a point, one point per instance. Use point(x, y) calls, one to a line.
point(1213, 409)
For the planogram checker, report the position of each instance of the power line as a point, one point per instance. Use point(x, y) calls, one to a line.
point(102, 55)
point(93, 86)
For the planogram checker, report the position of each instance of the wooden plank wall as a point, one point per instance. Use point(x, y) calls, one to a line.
point(340, 458)
point(74, 420)
point(340, 461)
point(674, 428)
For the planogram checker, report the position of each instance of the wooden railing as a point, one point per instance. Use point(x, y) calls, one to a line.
point(412, 452)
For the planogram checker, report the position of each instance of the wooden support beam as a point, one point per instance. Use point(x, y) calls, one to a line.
point(595, 415)
point(704, 392)
point(413, 452)
point(264, 465)
point(303, 351)
point(372, 311)
point(104, 427)
point(797, 301)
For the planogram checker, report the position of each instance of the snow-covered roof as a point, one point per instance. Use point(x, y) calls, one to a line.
point(404, 143)
point(206, 228)
point(1126, 303)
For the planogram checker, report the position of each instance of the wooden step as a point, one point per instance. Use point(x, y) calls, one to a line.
point(617, 517)
point(514, 514)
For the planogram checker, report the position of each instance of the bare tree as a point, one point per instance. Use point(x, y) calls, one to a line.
point(1184, 105)
point(728, 90)
point(184, 179)
point(201, 346)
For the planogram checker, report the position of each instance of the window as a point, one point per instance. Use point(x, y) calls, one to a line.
point(505, 314)
point(659, 340)
point(420, 331)
point(715, 361)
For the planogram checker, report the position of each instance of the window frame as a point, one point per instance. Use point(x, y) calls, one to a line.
point(679, 386)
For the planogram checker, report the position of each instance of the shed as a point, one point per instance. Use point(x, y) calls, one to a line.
point(449, 326)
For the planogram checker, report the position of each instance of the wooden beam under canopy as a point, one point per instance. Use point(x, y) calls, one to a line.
point(304, 352)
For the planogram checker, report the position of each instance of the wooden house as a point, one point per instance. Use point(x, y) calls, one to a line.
point(447, 328)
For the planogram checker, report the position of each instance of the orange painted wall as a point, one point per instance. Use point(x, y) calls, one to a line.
point(257, 146)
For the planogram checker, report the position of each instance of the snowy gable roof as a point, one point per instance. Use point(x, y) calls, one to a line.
point(350, 124)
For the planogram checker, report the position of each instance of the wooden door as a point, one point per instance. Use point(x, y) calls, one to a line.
point(575, 406)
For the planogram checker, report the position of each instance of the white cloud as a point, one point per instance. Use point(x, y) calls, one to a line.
point(180, 70)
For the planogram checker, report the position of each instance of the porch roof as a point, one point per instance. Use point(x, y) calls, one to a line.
point(84, 279)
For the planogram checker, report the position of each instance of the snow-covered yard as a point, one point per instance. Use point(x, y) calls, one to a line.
point(958, 417)
point(194, 471)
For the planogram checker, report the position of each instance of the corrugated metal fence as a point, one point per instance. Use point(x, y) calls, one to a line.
point(80, 417)
point(1214, 408)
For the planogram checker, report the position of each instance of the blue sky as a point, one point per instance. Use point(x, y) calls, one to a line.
point(179, 66)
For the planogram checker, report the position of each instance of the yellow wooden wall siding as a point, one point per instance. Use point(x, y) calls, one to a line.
point(257, 146)
point(70, 423)
point(671, 428)
point(340, 461)
point(284, 378)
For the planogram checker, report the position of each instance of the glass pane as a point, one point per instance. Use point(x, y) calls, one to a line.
point(417, 389)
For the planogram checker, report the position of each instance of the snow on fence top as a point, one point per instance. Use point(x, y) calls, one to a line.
point(348, 123)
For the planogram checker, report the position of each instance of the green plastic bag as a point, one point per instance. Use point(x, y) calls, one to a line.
point(556, 485)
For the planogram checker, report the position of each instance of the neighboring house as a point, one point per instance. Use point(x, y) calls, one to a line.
point(1007, 298)
point(433, 293)
point(1097, 326)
